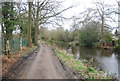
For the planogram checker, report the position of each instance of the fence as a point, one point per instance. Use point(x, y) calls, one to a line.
point(14, 44)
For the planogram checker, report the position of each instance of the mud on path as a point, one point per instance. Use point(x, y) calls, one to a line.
point(42, 64)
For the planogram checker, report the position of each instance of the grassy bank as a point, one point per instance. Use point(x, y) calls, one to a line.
point(84, 70)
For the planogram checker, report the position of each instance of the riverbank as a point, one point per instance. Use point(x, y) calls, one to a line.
point(84, 70)
point(80, 69)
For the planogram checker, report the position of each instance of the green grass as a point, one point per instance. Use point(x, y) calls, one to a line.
point(23, 53)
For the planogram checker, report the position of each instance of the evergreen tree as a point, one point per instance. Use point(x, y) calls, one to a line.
point(8, 24)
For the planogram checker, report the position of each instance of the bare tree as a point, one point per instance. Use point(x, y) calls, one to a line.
point(104, 13)
point(45, 12)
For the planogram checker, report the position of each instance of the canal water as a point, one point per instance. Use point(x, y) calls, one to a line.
point(105, 60)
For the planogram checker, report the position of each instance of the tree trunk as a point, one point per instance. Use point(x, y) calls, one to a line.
point(36, 32)
point(8, 47)
point(29, 28)
point(36, 25)
point(20, 43)
point(102, 30)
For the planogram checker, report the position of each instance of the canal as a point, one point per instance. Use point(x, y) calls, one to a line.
point(105, 60)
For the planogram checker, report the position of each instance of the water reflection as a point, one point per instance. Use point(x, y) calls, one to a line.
point(105, 60)
point(109, 64)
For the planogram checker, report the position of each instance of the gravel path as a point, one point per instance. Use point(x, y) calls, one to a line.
point(44, 66)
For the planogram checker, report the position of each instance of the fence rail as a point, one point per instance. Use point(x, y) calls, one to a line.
point(14, 45)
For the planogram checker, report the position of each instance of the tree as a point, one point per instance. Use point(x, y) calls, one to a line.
point(107, 36)
point(89, 34)
point(8, 24)
point(46, 12)
point(103, 13)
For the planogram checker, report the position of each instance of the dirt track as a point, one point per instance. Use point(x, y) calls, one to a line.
point(44, 66)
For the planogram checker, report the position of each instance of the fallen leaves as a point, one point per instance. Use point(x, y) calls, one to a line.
point(8, 60)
